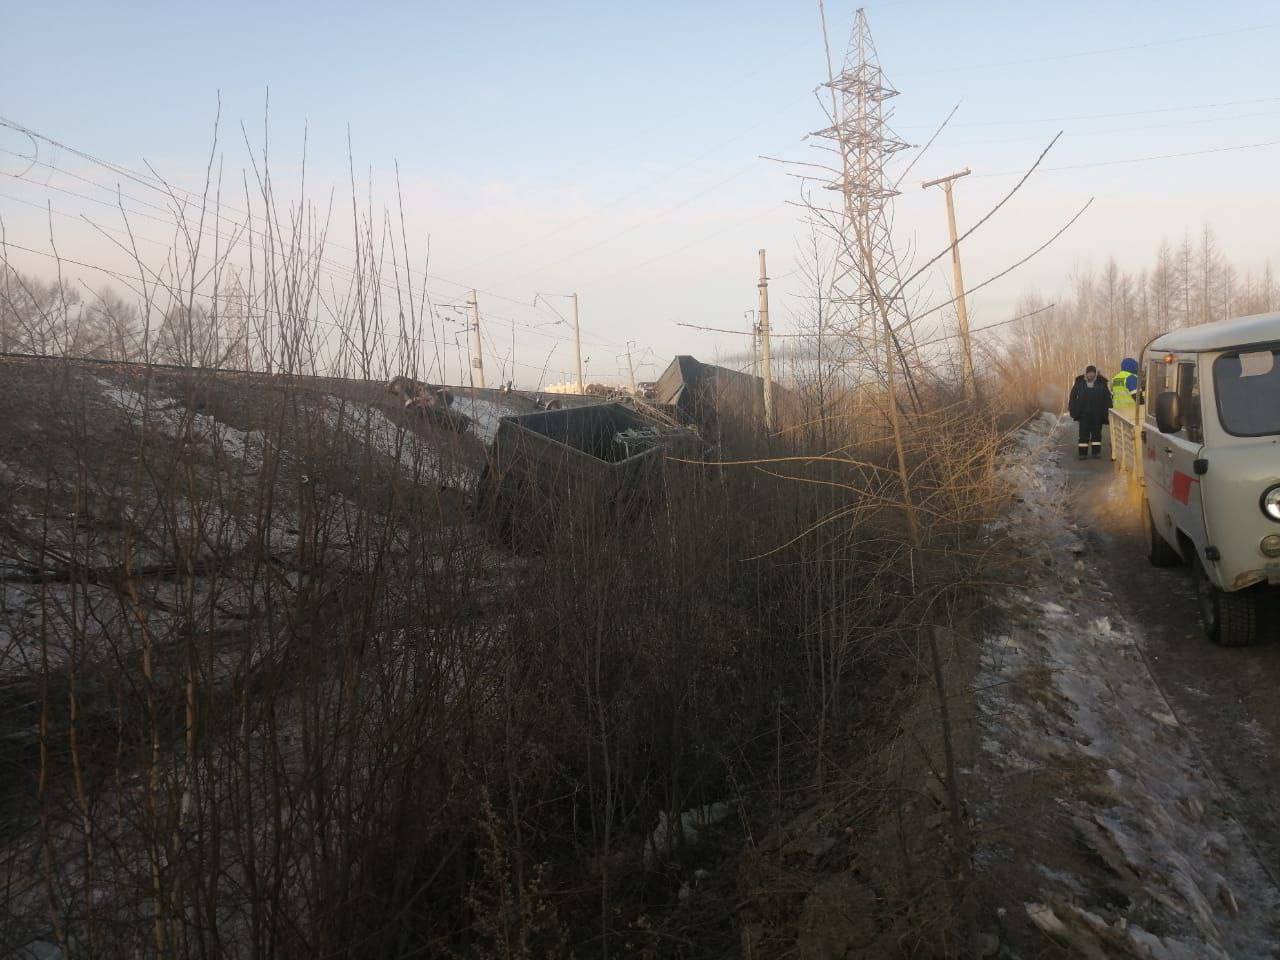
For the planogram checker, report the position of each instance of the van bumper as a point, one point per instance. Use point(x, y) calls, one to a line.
point(1269, 575)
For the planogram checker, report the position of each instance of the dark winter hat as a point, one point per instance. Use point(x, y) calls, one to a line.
point(1091, 369)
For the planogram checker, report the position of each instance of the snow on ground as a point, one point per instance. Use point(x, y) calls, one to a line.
point(691, 825)
point(484, 415)
point(1067, 696)
point(370, 425)
point(169, 415)
point(363, 423)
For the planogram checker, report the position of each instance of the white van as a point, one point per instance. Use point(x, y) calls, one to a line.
point(1210, 446)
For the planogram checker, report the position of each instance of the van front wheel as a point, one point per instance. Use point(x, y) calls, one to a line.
point(1230, 619)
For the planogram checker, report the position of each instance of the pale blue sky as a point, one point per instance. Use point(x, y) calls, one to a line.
point(613, 148)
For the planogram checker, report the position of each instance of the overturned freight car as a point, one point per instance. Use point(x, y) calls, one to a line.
point(582, 470)
point(726, 405)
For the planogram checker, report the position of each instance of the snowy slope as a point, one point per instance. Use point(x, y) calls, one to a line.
point(484, 415)
point(170, 417)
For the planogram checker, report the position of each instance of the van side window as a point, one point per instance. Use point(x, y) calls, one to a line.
point(1189, 401)
point(1156, 385)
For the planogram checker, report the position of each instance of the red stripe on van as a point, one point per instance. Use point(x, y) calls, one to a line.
point(1182, 486)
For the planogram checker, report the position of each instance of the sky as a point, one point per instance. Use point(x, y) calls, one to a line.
point(620, 151)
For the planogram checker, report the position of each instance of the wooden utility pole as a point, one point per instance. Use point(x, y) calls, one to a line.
point(631, 370)
point(477, 353)
point(767, 357)
point(577, 344)
point(962, 312)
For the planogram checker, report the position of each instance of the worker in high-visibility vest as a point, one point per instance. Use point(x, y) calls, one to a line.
point(1124, 385)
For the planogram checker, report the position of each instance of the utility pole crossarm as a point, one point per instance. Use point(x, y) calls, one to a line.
point(947, 179)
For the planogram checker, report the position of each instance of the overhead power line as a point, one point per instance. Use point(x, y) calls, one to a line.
point(1122, 130)
point(346, 273)
point(990, 326)
point(1148, 159)
point(522, 325)
point(653, 182)
point(740, 333)
point(180, 292)
point(1127, 48)
point(666, 211)
point(151, 182)
point(169, 219)
point(634, 268)
point(1066, 118)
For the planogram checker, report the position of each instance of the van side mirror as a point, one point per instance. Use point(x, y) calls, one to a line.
point(1168, 412)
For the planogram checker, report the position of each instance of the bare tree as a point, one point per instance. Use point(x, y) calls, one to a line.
point(114, 321)
point(42, 317)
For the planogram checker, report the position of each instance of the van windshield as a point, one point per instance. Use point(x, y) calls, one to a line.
point(1247, 384)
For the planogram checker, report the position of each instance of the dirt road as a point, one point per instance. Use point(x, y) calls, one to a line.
point(1229, 698)
point(1123, 794)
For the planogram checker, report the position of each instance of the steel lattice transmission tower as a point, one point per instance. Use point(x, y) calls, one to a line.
point(866, 267)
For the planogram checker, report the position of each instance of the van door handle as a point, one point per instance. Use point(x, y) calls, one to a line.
point(1168, 451)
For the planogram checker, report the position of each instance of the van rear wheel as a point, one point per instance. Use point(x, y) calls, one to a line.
point(1230, 619)
point(1159, 551)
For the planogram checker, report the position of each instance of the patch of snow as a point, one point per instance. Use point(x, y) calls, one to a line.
point(371, 426)
point(169, 416)
point(126, 399)
point(690, 827)
point(485, 416)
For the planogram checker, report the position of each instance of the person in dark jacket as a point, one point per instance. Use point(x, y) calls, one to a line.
point(1090, 401)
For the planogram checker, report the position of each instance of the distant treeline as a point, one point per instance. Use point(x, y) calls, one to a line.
point(1108, 314)
point(57, 318)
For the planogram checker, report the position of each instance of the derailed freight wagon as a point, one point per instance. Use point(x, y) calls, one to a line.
point(581, 470)
point(726, 405)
